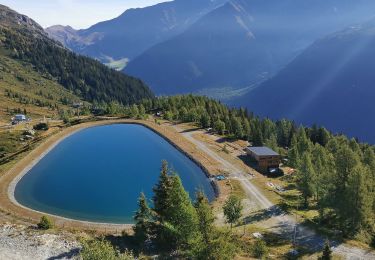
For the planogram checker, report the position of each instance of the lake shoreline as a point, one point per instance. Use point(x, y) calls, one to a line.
point(9, 180)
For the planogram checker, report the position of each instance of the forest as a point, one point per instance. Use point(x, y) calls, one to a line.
point(335, 174)
point(85, 77)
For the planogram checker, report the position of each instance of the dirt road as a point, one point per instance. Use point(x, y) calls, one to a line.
point(279, 221)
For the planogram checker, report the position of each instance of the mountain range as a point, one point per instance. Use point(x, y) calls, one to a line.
point(36, 71)
point(211, 47)
point(133, 32)
point(288, 58)
point(331, 83)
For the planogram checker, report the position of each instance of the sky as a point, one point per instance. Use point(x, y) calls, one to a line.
point(79, 14)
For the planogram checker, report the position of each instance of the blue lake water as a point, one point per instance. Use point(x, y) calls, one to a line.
point(98, 173)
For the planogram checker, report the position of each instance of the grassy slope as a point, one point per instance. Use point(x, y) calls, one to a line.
point(23, 81)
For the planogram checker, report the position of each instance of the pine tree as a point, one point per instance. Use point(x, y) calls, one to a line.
point(246, 128)
point(219, 127)
point(293, 154)
point(323, 136)
point(359, 197)
point(258, 138)
point(303, 143)
point(346, 161)
point(222, 247)
point(205, 120)
point(272, 142)
point(161, 192)
point(237, 127)
point(181, 217)
point(327, 252)
point(142, 111)
point(134, 111)
point(305, 178)
point(143, 221)
point(206, 217)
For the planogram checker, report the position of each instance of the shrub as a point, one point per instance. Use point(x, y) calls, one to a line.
point(260, 249)
point(45, 223)
point(102, 250)
point(41, 126)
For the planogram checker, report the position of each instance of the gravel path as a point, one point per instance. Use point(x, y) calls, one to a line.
point(17, 242)
point(278, 221)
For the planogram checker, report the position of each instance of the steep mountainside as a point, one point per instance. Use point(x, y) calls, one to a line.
point(331, 83)
point(23, 41)
point(242, 42)
point(135, 30)
point(22, 89)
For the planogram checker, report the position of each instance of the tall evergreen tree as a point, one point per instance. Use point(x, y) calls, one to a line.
point(346, 161)
point(303, 143)
point(206, 217)
point(258, 138)
point(181, 217)
point(161, 192)
point(327, 252)
point(360, 198)
point(237, 127)
point(293, 154)
point(305, 178)
point(143, 221)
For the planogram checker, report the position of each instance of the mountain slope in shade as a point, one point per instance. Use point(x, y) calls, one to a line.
point(135, 30)
point(243, 42)
point(331, 83)
point(24, 41)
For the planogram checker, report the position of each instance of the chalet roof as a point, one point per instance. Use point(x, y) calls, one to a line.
point(262, 151)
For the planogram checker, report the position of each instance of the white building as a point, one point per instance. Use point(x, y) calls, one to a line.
point(20, 118)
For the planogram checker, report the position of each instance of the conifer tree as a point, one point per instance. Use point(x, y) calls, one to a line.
point(219, 127)
point(346, 161)
point(327, 252)
point(293, 154)
point(272, 142)
point(143, 220)
point(181, 217)
point(258, 138)
point(161, 192)
point(206, 217)
point(237, 127)
point(305, 178)
point(246, 128)
point(359, 197)
point(303, 144)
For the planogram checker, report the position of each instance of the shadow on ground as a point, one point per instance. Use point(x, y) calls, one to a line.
point(264, 214)
point(67, 255)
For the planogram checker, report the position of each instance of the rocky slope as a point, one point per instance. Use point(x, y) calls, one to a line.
point(18, 242)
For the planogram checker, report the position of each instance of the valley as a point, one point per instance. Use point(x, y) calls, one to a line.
point(190, 129)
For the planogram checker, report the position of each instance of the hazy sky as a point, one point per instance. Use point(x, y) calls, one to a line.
point(77, 13)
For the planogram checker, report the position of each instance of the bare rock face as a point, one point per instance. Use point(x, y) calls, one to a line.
point(21, 242)
point(10, 18)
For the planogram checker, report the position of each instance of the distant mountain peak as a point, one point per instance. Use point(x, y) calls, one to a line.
point(11, 19)
point(135, 30)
